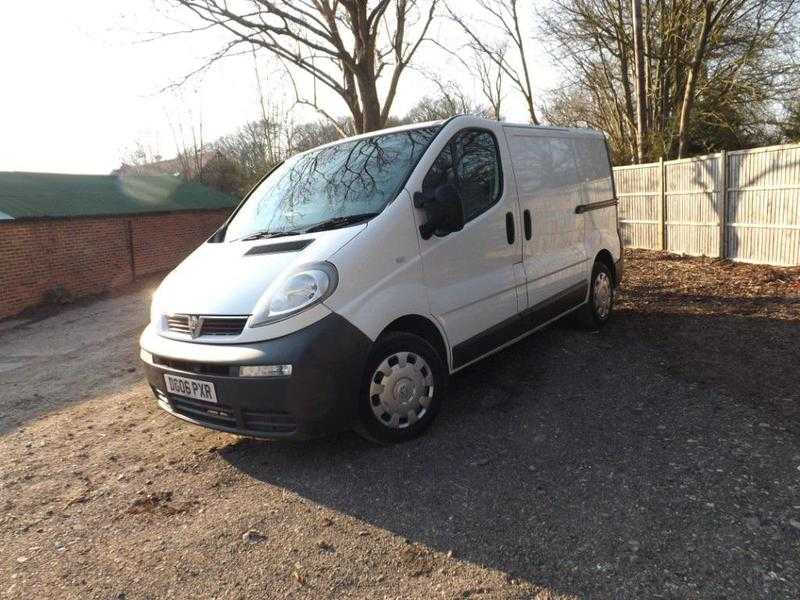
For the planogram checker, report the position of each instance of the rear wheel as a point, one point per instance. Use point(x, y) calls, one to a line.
point(597, 311)
point(402, 390)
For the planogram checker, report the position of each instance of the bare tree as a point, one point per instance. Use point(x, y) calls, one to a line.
point(275, 122)
point(316, 133)
point(140, 154)
point(491, 79)
point(451, 100)
point(258, 145)
point(191, 148)
point(790, 123)
point(347, 46)
point(715, 16)
point(504, 17)
point(713, 71)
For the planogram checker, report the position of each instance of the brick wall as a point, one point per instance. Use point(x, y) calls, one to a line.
point(92, 255)
point(161, 241)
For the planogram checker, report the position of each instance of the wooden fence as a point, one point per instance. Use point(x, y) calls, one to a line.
point(742, 205)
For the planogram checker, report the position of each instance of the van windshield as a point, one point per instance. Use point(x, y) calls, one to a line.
point(333, 186)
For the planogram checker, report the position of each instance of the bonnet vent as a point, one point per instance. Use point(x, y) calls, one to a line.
point(293, 246)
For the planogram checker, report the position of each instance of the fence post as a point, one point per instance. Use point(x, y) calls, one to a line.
point(662, 204)
point(723, 204)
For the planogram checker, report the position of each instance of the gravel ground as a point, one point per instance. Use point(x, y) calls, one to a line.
point(659, 458)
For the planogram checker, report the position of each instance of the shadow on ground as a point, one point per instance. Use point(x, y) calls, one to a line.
point(654, 459)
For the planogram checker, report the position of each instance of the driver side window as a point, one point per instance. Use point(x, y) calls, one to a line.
point(470, 161)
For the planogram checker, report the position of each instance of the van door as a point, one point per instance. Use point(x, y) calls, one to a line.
point(599, 211)
point(474, 276)
point(554, 252)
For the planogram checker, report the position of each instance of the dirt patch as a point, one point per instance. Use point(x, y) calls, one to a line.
point(667, 283)
point(156, 503)
point(656, 459)
point(57, 301)
point(724, 325)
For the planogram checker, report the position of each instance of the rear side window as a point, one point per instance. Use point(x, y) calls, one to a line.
point(471, 162)
point(594, 167)
point(564, 171)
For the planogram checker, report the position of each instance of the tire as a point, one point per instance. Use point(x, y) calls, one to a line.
point(597, 310)
point(418, 379)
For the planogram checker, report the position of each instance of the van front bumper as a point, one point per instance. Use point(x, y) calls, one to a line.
point(319, 397)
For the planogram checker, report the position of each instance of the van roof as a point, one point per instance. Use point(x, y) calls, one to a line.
point(472, 119)
point(377, 132)
point(577, 131)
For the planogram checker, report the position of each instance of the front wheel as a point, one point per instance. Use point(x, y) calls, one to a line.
point(597, 311)
point(404, 383)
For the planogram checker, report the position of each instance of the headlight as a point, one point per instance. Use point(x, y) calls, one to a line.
point(301, 289)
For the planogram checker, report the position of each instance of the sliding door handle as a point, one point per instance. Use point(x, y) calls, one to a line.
point(526, 218)
point(510, 227)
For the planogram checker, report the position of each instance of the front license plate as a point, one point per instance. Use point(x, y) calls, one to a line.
point(191, 388)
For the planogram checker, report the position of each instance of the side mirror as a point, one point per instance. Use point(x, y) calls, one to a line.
point(444, 210)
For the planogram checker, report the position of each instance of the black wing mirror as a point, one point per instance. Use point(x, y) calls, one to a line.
point(444, 210)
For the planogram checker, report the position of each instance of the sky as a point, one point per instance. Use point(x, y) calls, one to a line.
point(79, 95)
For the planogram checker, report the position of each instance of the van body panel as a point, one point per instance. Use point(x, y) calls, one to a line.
point(549, 188)
point(384, 271)
point(231, 278)
point(470, 276)
point(600, 224)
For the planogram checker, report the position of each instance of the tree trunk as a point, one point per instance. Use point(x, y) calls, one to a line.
point(641, 90)
point(691, 79)
point(520, 45)
point(624, 66)
point(370, 103)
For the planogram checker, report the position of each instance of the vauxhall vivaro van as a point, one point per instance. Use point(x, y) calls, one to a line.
point(358, 276)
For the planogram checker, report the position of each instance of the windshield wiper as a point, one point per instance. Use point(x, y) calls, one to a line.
point(261, 235)
point(336, 222)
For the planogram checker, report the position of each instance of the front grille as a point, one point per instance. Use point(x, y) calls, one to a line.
point(223, 326)
point(269, 422)
point(194, 367)
point(211, 325)
point(213, 414)
point(178, 324)
point(272, 422)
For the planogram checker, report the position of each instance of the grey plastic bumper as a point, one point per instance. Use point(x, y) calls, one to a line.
point(319, 397)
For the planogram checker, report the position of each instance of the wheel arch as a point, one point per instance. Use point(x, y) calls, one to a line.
point(605, 257)
point(423, 327)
